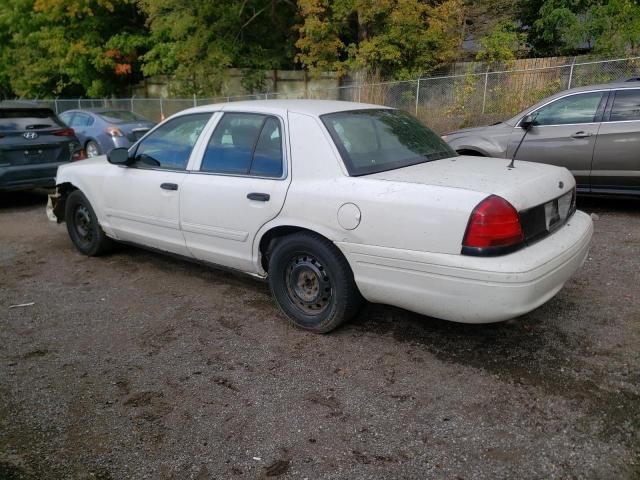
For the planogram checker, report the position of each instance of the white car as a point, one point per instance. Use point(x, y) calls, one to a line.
point(335, 202)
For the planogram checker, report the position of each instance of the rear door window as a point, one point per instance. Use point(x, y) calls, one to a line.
point(19, 119)
point(626, 106)
point(245, 144)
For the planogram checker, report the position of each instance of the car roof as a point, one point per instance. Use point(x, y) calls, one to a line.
point(97, 110)
point(22, 104)
point(617, 85)
point(309, 107)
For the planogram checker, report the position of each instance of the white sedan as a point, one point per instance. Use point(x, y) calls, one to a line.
point(335, 202)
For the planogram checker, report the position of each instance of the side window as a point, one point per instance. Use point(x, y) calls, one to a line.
point(170, 145)
point(66, 118)
point(626, 106)
point(580, 108)
point(267, 158)
point(245, 144)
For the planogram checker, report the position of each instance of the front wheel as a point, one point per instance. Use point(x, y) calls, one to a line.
point(312, 282)
point(83, 227)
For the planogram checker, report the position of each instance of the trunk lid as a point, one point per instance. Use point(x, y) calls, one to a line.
point(527, 185)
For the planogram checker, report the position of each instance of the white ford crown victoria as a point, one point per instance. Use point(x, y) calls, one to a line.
point(334, 202)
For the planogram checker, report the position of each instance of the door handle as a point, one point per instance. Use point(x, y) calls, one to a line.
point(169, 186)
point(581, 134)
point(259, 197)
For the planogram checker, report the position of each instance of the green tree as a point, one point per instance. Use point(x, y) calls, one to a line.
point(573, 26)
point(501, 45)
point(197, 41)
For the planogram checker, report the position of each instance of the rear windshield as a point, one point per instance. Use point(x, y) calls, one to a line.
point(372, 141)
point(20, 119)
point(121, 116)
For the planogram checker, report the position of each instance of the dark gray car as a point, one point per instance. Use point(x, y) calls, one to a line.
point(593, 131)
point(101, 130)
point(33, 142)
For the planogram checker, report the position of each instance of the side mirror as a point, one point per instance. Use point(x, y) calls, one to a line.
point(119, 156)
point(528, 121)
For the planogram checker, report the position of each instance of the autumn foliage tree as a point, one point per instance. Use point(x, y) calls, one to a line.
point(390, 38)
point(70, 47)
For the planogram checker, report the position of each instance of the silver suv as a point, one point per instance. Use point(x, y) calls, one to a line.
point(593, 131)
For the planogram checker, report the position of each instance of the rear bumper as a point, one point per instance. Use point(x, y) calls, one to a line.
point(472, 289)
point(22, 177)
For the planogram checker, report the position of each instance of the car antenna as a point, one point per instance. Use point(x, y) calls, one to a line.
point(526, 123)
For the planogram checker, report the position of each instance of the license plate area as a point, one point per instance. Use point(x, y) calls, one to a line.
point(557, 211)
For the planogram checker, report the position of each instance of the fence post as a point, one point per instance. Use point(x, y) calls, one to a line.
point(417, 95)
point(161, 110)
point(131, 103)
point(55, 104)
point(194, 100)
point(104, 102)
point(571, 72)
point(359, 92)
point(79, 103)
point(484, 95)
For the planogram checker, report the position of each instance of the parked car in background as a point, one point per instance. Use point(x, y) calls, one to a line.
point(101, 130)
point(593, 131)
point(33, 143)
point(335, 201)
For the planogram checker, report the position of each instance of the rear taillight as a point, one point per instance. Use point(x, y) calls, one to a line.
point(114, 132)
point(65, 132)
point(494, 228)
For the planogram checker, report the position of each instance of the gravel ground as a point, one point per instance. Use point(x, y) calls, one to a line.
point(137, 366)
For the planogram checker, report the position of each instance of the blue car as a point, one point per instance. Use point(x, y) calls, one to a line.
point(101, 130)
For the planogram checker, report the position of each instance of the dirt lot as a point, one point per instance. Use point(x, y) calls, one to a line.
point(137, 365)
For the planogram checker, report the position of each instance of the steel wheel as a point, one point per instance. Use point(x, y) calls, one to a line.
point(92, 149)
point(308, 284)
point(83, 224)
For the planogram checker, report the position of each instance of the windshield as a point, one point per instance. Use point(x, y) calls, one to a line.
point(19, 119)
point(372, 141)
point(121, 116)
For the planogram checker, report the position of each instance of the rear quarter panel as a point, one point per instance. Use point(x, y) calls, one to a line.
point(392, 214)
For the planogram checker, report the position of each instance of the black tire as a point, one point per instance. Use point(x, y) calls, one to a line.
point(93, 147)
point(312, 282)
point(83, 227)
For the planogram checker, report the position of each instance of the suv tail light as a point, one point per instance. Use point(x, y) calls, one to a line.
point(494, 229)
point(65, 132)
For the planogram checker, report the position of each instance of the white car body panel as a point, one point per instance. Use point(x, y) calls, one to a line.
point(410, 222)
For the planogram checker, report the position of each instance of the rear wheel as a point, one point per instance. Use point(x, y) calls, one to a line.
point(312, 282)
point(92, 149)
point(83, 227)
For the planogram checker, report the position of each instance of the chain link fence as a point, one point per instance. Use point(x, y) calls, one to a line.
point(444, 103)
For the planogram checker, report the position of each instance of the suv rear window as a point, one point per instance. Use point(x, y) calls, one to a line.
point(377, 140)
point(20, 119)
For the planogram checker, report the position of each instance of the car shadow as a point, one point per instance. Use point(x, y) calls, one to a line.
point(594, 204)
point(23, 199)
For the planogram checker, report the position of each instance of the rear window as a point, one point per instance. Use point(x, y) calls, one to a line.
point(20, 119)
point(121, 116)
point(372, 141)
